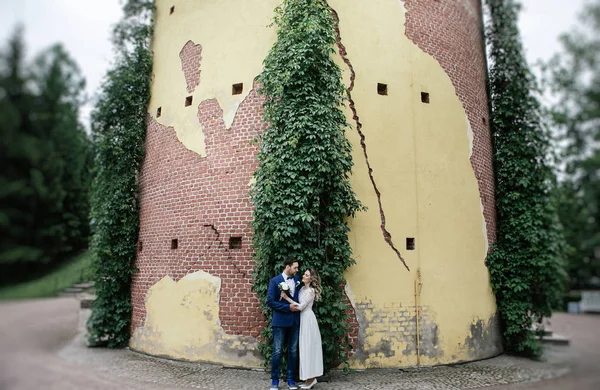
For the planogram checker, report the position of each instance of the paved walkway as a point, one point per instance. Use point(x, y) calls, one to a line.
point(583, 355)
point(40, 348)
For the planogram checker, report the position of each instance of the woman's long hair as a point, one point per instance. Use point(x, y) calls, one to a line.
point(315, 283)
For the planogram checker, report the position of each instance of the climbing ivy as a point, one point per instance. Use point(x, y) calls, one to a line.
point(302, 195)
point(524, 266)
point(119, 131)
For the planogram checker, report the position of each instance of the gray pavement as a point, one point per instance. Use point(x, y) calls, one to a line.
point(582, 357)
point(40, 348)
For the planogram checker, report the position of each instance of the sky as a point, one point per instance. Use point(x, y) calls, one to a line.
point(84, 27)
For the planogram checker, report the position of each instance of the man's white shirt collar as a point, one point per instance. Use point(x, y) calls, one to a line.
point(290, 282)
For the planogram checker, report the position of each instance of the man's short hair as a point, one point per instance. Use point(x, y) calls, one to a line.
point(289, 261)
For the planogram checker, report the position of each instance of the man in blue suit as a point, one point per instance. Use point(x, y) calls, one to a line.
point(285, 323)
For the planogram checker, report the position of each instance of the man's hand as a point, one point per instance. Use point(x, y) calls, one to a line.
point(293, 307)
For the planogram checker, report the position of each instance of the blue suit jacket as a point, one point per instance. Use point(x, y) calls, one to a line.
point(282, 315)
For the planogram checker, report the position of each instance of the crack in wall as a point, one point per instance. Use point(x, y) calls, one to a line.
point(221, 244)
point(343, 53)
point(200, 250)
point(218, 238)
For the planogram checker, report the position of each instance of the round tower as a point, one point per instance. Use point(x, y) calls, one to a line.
point(418, 113)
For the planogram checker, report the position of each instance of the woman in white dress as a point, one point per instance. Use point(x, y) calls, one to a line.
point(311, 348)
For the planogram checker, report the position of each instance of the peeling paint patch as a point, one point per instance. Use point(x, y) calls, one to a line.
point(182, 322)
point(484, 339)
point(353, 321)
point(384, 347)
point(470, 136)
point(383, 332)
point(191, 56)
point(387, 335)
point(484, 227)
point(429, 344)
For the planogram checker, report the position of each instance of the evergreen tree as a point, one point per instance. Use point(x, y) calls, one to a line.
point(524, 266)
point(19, 153)
point(59, 87)
point(43, 217)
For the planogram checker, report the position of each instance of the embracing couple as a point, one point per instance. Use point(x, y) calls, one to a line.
point(291, 300)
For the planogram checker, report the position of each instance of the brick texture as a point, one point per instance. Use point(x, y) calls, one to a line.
point(201, 202)
point(397, 324)
point(451, 32)
point(191, 56)
point(354, 327)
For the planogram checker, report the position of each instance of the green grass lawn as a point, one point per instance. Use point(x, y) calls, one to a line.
point(75, 271)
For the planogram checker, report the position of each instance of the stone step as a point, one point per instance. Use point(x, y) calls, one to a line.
point(76, 289)
point(556, 339)
point(86, 300)
point(84, 285)
point(67, 294)
point(547, 330)
point(73, 290)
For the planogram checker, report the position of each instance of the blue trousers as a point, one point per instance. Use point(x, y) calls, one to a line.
point(280, 335)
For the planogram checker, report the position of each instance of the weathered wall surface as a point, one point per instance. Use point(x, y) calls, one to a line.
point(424, 169)
point(196, 174)
point(418, 156)
point(183, 323)
point(451, 32)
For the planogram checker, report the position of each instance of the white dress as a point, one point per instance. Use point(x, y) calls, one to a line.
point(311, 348)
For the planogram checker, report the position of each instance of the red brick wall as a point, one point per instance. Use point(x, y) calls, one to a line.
point(450, 31)
point(201, 202)
point(191, 56)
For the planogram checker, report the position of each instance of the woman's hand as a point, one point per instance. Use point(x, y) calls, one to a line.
point(283, 296)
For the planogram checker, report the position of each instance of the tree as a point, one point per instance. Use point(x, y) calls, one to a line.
point(524, 263)
point(17, 157)
point(574, 77)
point(59, 85)
point(119, 131)
point(43, 185)
point(302, 194)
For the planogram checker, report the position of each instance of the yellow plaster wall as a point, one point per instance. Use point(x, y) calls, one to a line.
point(419, 154)
point(234, 39)
point(182, 322)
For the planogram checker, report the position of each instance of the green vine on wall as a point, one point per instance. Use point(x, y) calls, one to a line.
point(302, 195)
point(119, 131)
point(524, 265)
